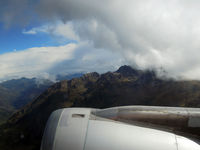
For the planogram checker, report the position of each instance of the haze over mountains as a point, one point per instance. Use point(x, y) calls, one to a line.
point(16, 93)
point(126, 86)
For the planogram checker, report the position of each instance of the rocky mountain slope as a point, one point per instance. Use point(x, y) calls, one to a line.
point(126, 86)
point(17, 92)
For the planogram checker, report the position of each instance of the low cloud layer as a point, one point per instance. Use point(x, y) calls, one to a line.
point(47, 62)
point(34, 61)
point(147, 34)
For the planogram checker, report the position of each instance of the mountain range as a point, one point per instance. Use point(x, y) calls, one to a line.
point(126, 86)
point(17, 92)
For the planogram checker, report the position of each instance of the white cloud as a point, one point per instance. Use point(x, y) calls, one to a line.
point(49, 61)
point(32, 31)
point(87, 58)
point(33, 61)
point(58, 29)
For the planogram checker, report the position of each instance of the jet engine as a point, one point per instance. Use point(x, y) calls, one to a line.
point(95, 129)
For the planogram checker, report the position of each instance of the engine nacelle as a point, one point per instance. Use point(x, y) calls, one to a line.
point(79, 129)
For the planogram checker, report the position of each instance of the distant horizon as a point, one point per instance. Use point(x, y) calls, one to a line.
point(162, 74)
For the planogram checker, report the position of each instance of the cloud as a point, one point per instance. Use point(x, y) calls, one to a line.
point(46, 62)
point(153, 33)
point(33, 61)
point(58, 29)
point(87, 58)
point(32, 31)
point(147, 33)
point(17, 12)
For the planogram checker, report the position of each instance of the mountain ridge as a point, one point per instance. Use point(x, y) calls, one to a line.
point(16, 93)
point(126, 86)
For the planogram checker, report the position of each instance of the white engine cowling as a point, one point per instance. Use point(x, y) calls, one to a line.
point(78, 129)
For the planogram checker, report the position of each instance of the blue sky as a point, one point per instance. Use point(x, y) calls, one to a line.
point(12, 39)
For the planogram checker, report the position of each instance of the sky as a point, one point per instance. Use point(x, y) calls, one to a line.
point(42, 38)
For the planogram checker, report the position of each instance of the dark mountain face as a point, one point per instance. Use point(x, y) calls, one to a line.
point(5, 108)
point(128, 71)
point(17, 92)
point(123, 87)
